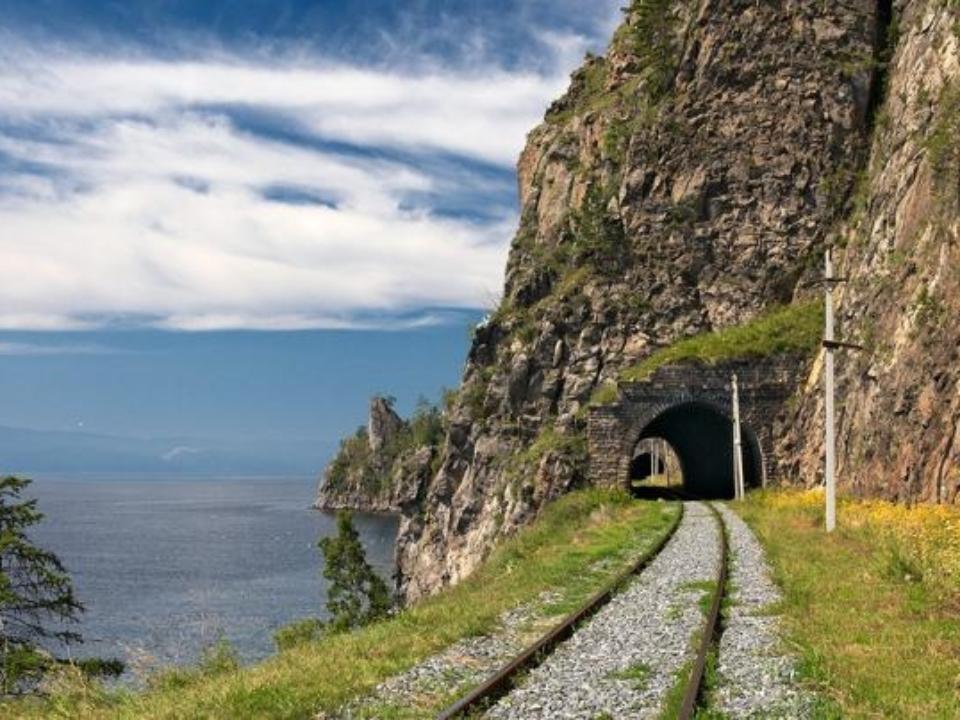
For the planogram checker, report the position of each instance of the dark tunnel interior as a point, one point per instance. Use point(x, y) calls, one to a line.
point(642, 467)
point(702, 437)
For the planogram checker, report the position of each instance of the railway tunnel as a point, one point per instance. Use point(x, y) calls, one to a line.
point(688, 408)
point(701, 437)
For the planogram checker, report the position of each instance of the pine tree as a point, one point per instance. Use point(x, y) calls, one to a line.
point(356, 594)
point(36, 595)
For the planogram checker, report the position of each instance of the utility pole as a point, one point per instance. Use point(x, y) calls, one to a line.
point(830, 345)
point(738, 486)
point(830, 439)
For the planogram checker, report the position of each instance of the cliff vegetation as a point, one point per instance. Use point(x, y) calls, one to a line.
point(793, 329)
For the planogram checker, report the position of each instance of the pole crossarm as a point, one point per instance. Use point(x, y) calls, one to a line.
point(825, 281)
point(840, 345)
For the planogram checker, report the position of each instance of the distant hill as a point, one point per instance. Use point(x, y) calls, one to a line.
point(28, 451)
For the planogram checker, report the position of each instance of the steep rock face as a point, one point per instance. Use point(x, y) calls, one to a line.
point(688, 180)
point(899, 400)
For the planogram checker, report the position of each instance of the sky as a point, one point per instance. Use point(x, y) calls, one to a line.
point(239, 218)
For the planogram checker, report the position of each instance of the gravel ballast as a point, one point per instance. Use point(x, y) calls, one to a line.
point(625, 659)
point(463, 664)
point(755, 676)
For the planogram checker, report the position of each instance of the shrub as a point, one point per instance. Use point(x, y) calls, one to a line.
point(100, 667)
point(653, 38)
point(424, 429)
point(599, 238)
point(356, 595)
point(354, 453)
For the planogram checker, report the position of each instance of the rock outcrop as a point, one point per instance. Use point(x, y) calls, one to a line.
point(385, 466)
point(383, 426)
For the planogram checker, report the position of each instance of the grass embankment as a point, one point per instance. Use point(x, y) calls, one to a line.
point(874, 609)
point(560, 553)
point(788, 329)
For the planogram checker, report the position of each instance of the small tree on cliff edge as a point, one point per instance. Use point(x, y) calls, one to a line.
point(356, 595)
point(36, 595)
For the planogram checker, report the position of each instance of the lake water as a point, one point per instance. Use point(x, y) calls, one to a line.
point(166, 567)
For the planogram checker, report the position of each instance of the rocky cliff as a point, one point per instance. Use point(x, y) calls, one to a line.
point(899, 399)
point(690, 179)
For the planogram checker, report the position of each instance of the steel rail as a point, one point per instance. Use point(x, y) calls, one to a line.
point(503, 680)
point(691, 695)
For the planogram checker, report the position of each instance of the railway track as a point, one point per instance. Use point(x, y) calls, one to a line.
point(508, 678)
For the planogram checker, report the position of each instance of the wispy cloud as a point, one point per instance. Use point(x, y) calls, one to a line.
point(229, 192)
point(40, 349)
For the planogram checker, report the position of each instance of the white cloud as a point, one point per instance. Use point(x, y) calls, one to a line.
point(484, 114)
point(34, 349)
point(131, 192)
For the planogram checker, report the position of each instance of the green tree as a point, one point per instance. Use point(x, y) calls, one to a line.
point(356, 594)
point(36, 595)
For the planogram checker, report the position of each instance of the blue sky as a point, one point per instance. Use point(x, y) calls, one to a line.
point(188, 185)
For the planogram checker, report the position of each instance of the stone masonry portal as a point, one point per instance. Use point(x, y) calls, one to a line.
point(690, 407)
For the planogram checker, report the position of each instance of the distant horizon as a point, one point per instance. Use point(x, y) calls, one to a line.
point(245, 402)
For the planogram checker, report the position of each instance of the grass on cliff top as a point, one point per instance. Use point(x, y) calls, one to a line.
point(874, 608)
point(559, 552)
point(792, 328)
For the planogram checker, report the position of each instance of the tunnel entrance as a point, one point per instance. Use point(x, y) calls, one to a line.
point(700, 435)
point(687, 408)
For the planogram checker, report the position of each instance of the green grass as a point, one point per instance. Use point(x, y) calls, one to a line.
point(789, 329)
point(637, 675)
point(710, 681)
point(674, 697)
point(874, 639)
point(550, 440)
point(559, 552)
point(707, 590)
point(606, 394)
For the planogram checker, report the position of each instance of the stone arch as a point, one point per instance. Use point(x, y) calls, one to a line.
point(614, 430)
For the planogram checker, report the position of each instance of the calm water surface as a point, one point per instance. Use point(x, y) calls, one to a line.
point(166, 567)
